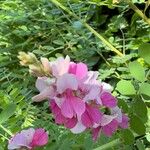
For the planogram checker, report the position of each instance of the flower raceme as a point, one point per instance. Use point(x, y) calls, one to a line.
point(28, 139)
point(78, 100)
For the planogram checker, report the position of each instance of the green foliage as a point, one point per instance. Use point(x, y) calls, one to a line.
point(40, 27)
point(126, 87)
point(127, 136)
point(137, 125)
point(7, 112)
point(144, 52)
point(137, 71)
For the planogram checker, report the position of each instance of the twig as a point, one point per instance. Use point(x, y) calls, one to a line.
point(88, 27)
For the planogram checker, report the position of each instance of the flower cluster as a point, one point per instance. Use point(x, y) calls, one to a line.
point(28, 139)
point(78, 100)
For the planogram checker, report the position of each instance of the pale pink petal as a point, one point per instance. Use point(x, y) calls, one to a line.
point(40, 138)
point(107, 87)
point(92, 94)
point(28, 134)
point(17, 141)
point(41, 83)
point(96, 133)
point(110, 128)
point(79, 127)
point(78, 105)
point(116, 111)
point(47, 93)
point(60, 66)
point(66, 109)
point(91, 77)
point(108, 100)
point(24, 138)
point(66, 81)
point(125, 122)
point(106, 119)
point(70, 123)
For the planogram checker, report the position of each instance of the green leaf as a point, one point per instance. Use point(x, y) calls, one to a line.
point(140, 109)
point(127, 136)
point(148, 137)
point(123, 105)
point(145, 89)
point(140, 145)
point(125, 87)
point(137, 71)
point(144, 52)
point(137, 125)
point(7, 112)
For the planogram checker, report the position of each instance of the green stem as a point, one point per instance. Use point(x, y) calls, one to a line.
point(109, 145)
point(4, 136)
point(139, 12)
point(88, 27)
point(6, 130)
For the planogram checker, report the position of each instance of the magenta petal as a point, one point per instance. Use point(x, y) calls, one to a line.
point(59, 118)
point(110, 128)
point(95, 133)
point(125, 122)
point(70, 123)
point(108, 100)
point(81, 70)
point(72, 68)
point(66, 81)
point(86, 119)
point(66, 109)
point(78, 105)
point(95, 114)
point(40, 138)
point(55, 109)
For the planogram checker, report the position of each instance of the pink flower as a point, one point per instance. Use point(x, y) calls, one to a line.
point(66, 81)
point(91, 116)
point(79, 69)
point(29, 138)
point(60, 119)
point(125, 122)
point(108, 100)
point(45, 86)
point(76, 97)
point(60, 66)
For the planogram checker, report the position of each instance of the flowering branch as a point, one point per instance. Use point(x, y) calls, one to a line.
point(88, 27)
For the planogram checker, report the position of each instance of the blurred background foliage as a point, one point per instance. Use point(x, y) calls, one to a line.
point(40, 27)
